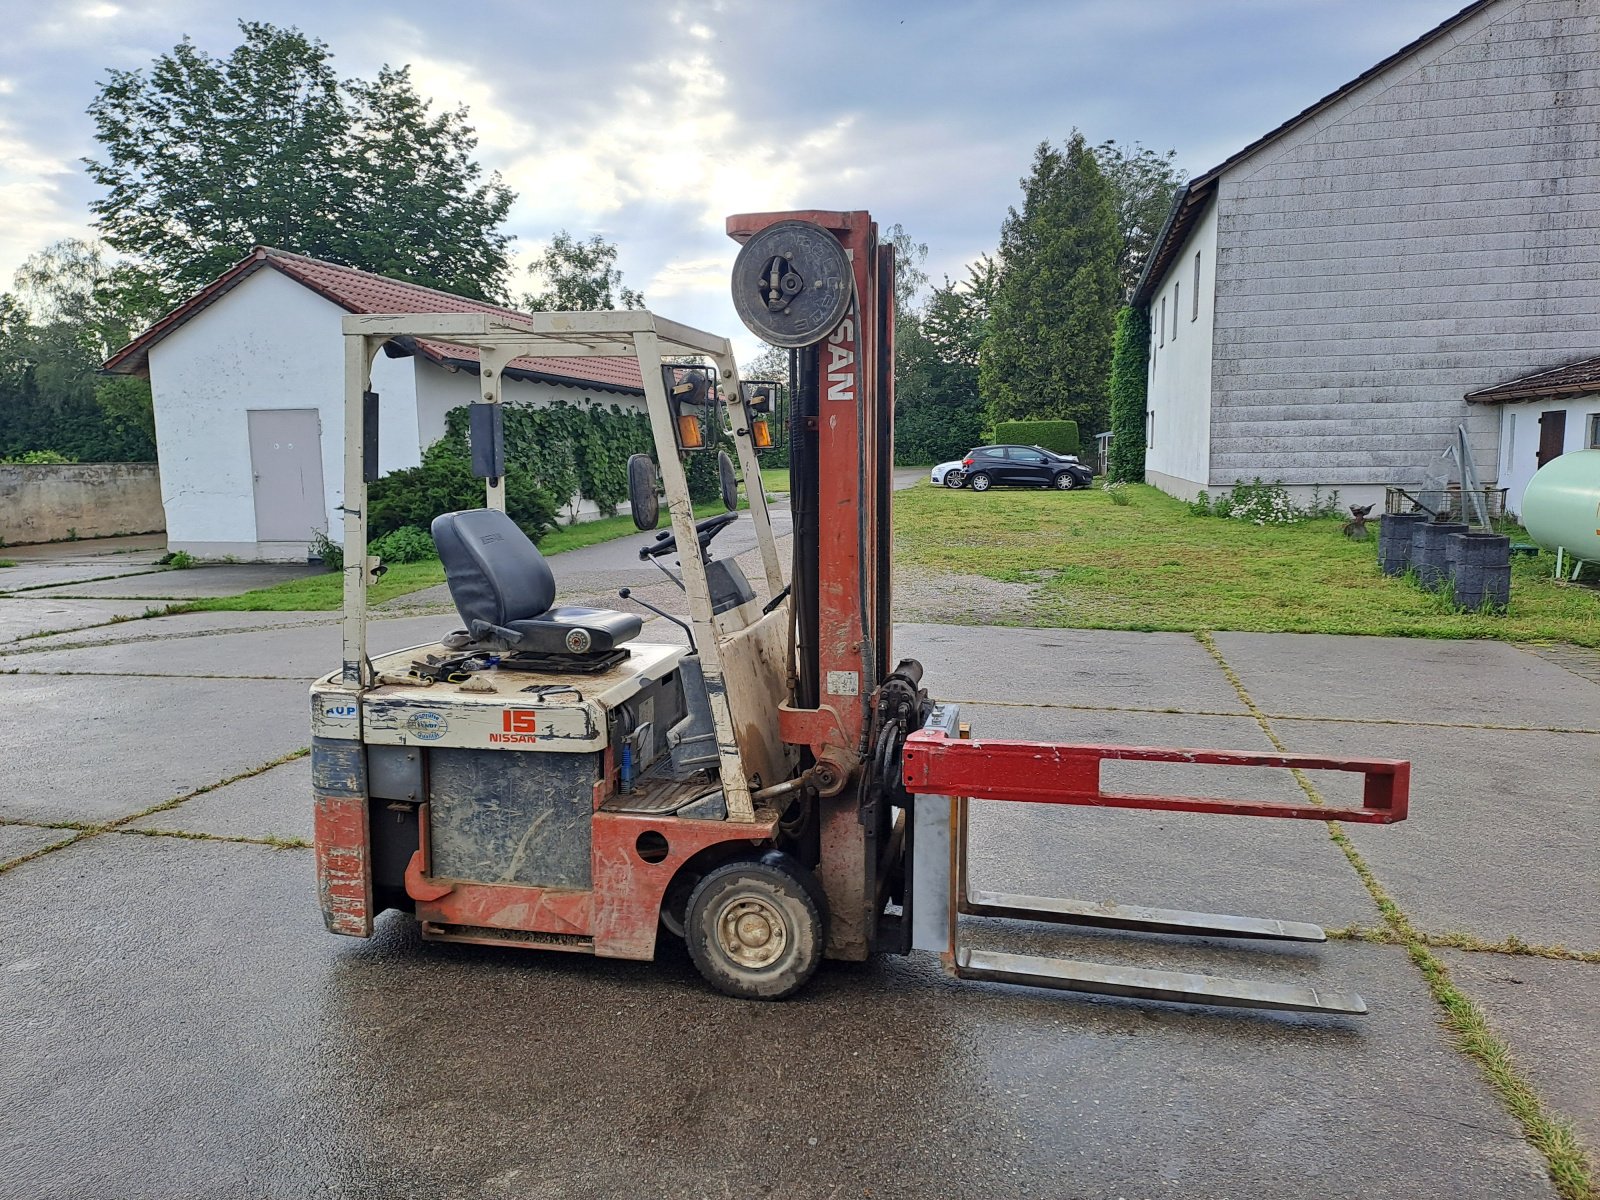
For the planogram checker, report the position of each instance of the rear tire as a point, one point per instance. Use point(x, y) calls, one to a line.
point(978, 481)
point(755, 929)
point(954, 479)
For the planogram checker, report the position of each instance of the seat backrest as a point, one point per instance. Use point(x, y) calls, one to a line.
point(496, 574)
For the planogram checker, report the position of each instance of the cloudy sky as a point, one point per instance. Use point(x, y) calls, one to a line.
point(648, 122)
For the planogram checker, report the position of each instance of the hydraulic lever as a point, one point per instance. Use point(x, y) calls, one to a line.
point(627, 594)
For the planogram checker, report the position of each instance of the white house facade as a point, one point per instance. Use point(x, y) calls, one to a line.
point(1322, 302)
point(247, 383)
point(1541, 417)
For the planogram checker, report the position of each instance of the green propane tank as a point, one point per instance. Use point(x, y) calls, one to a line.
point(1561, 508)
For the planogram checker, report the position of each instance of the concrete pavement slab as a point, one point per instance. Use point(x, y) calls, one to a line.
point(1503, 837)
point(217, 580)
point(1246, 866)
point(1549, 1013)
point(1418, 679)
point(143, 546)
point(294, 651)
point(201, 1034)
point(1067, 666)
point(45, 573)
point(84, 749)
point(155, 629)
point(273, 804)
point(18, 841)
point(28, 615)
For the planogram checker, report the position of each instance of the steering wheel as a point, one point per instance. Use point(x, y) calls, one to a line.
point(666, 542)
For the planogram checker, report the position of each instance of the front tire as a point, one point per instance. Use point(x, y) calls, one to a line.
point(755, 929)
point(954, 479)
point(1066, 481)
point(979, 481)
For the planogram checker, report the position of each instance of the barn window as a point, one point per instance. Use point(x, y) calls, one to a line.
point(1175, 288)
point(1161, 327)
point(1149, 428)
point(1594, 431)
point(1194, 290)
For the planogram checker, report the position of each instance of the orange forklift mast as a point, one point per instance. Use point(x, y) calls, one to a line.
point(782, 790)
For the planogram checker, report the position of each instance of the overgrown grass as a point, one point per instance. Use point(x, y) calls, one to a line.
point(1152, 565)
point(324, 593)
point(775, 479)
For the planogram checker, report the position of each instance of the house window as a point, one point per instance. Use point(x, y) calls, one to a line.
point(1194, 290)
point(1175, 288)
point(1594, 431)
point(1149, 428)
point(1161, 328)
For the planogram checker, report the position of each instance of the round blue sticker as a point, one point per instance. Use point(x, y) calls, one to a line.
point(427, 726)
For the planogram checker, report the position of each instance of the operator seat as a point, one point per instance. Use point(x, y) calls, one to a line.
point(503, 588)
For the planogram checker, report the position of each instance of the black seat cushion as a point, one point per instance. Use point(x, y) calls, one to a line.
point(499, 579)
point(576, 631)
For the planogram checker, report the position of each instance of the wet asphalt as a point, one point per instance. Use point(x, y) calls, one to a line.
point(176, 1022)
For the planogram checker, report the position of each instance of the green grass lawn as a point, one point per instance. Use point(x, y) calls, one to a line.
point(322, 593)
point(1152, 565)
point(775, 480)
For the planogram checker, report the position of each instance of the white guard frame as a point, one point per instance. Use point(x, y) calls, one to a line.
point(635, 333)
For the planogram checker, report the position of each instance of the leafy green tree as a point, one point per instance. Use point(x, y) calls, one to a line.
point(938, 414)
point(202, 158)
point(577, 276)
point(1145, 183)
point(425, 210)
point(1129, 389)
point(1048, 353)
point(54, 333)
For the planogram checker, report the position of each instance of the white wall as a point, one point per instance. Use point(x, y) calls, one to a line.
point(269, 343)
point(1519, 438)
point(1178, 460)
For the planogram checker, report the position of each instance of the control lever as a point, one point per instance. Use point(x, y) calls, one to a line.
point(627, 594)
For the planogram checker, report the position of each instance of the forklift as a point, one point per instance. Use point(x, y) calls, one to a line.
point(780, 789)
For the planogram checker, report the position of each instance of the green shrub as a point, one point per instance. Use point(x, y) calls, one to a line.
point(1059, 436)
point(1200, 506)
point(1117, 493)
point(38, 458)
point(445, 483)
point(1129, 387)
point(321, 546)
point(404, 545)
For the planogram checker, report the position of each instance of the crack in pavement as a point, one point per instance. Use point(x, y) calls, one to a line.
point(1567, 1161)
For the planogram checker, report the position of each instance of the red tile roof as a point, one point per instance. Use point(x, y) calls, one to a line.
point(363, 292)
point(1573, 379)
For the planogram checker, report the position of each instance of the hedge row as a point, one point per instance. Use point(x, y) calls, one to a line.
point(1059, 436)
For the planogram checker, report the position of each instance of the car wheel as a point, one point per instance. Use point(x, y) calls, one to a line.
point(954, 479)
point(978, 481)
point(1066, 481)
point(755, 929)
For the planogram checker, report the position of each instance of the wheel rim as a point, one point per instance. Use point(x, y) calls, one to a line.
point(751, 932)
point(980, 483)
point(953, 479)
point(1065, 483)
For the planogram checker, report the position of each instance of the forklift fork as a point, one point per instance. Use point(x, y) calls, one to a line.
point(945, 773)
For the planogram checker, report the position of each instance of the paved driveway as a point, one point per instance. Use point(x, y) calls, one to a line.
point(176, 1022)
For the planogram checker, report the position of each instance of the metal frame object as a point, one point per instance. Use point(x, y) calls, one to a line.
point(831, 766)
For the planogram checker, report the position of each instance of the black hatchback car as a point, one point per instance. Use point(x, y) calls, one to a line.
point(1023, 466)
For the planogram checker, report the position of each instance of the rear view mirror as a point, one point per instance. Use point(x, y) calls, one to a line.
point(644, 500)
point(729, 483)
